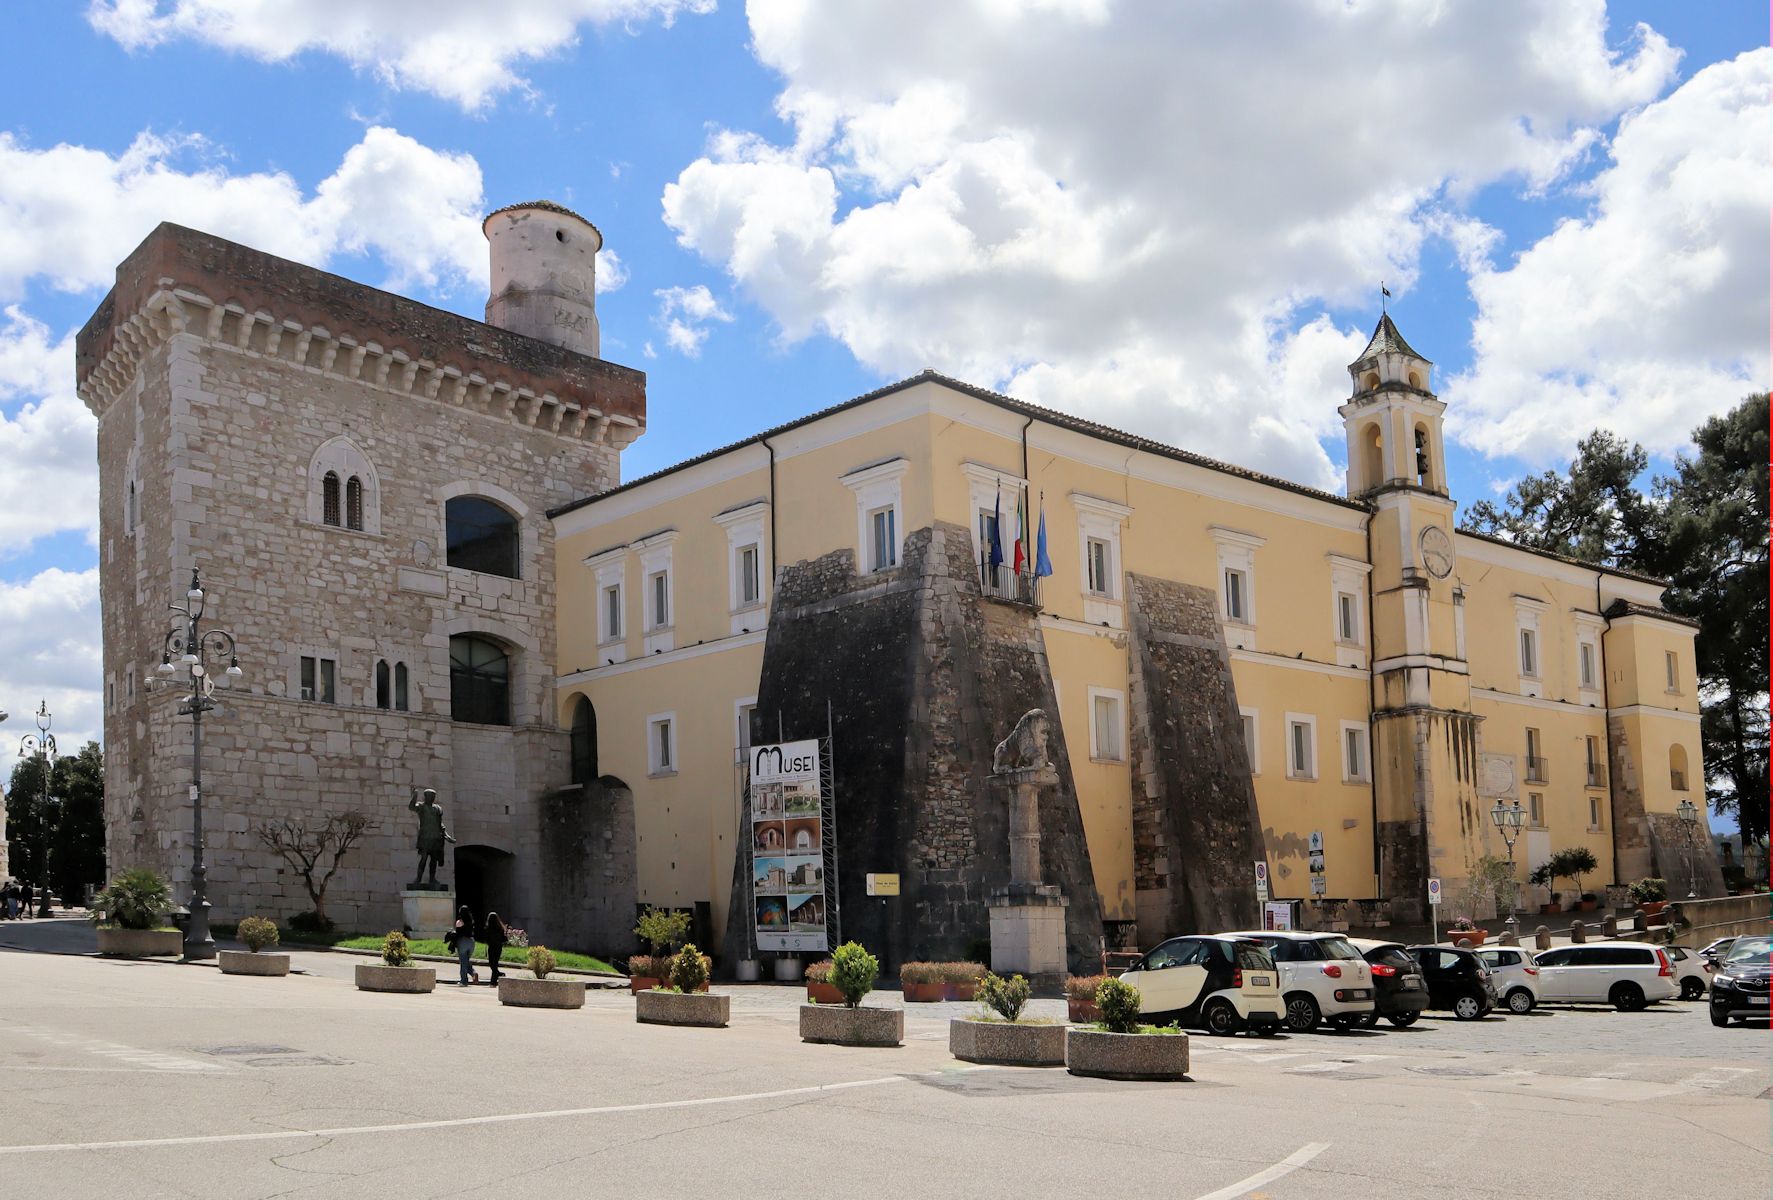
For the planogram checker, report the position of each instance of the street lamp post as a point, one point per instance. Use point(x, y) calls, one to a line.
point(1688, 812)
point(1508, 823)
point(193, 648)
point(41, 746)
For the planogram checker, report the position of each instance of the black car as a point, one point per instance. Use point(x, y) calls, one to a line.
point(1740, 989)
point(1457, 980)
point(1399, 991)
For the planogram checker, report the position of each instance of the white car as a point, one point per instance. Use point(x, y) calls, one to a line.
point(1627, 975)
point(1322, 978)
point(1515, 975)
point(1221, 984)
point(1693, 971)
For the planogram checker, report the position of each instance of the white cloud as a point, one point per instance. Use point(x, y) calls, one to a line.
point(69, 214)
point(466, 51)
point(50, 650)
point(50, 484)
point(1141, 210)
point(684, 314)
point(1649, 313)
point(612, 272)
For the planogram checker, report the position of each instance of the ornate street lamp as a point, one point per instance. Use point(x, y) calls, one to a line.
point(1508, 823)
point(196, 651)
point(41, 746)
point(1688, 812)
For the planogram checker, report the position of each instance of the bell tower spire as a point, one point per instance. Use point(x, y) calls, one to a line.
point(1393, 419)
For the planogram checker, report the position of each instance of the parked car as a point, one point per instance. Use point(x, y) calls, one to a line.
point(1322, 978)
point(1692, 972)
point(1514, 975)
point(1399, 991)
point(1740, 989)
point(1457, 980)
point(1220, 984)
point(1716, 952)
point(1627, 975)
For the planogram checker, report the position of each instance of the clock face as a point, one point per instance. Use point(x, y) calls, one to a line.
point(1437, 552)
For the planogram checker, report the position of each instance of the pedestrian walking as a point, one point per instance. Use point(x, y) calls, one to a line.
point(493, 931)
point(26, 895)
point(9, 900)
point(462, 937)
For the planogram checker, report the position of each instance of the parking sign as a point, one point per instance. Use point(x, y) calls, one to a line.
point(1434, 891)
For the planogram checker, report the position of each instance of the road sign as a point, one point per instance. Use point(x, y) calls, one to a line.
point(883, 885)
point(1318, 885)
point(1262, 872)
point(1434, 891)
point(1316, 844)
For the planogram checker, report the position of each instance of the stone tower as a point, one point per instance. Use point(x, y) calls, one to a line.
point(363, 481)
point(1425, 744)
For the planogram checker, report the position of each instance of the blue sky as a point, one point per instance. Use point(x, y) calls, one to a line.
point(1173, 219)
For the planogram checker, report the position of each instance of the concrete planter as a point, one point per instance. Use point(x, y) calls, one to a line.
point(140, 943)
point(852, 1026)
point(246, 962)
point(542, 993)
point(683, 1008)
point(1137, 1056)
point(380, 977)
point(1005, 1045)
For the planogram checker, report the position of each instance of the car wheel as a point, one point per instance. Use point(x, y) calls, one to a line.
point(1720, 1017)
point(1520, 1001)
point(1627, 997)
point(1692, 989)
point(1219, 1018)
point(1468, 1008)
point(1402, 1020)
point(1302, 1013)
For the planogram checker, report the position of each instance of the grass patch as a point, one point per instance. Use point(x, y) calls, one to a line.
point(516, 956)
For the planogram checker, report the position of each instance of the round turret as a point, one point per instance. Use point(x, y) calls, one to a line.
point(544, 274)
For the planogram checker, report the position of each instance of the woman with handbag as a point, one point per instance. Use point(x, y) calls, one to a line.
point(463, 937)
point(493, 931)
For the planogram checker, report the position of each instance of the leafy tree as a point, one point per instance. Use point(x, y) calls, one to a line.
point(1594, 511)
point(69, 832)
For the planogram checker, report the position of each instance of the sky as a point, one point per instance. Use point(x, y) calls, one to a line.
point(1172, 218)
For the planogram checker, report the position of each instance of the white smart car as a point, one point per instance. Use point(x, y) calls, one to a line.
point(1693, 971)
point(1627, 975)
point(1322, 978)
point(1515, 975)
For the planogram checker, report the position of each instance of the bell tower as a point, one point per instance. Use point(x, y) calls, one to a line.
point(1425, 746)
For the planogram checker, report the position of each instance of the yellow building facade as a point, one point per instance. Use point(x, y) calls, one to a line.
point(1394, 678)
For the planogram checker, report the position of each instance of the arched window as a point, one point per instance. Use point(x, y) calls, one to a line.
point(354, 503)
point(400, 692)
point(479, 681)
point(1424, 459)
point(1371, 381)
point(382, 688)
point(329, 498)
point(584, 742)
point(1373, 456)
point(1677, 768)
point(481, 536)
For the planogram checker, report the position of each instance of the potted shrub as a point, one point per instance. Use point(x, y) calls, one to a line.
point(960, 980)
point(1001, 1036)
point(853, 972)
point(819, 988)
point(1080, 997)
point(663, 931)
point(1650, 894)
point(541, 992)
point(1541, 876)
point(1464, 929)
point(686, 1001)
point(1119, 1047)
point(921, 982)
point(130, 914)
point(257, 933)
point(396, 972)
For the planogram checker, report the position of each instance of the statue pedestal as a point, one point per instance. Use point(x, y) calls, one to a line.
point(1028, 930)
point(428, 914)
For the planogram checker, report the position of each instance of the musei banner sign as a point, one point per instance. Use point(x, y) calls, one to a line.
point(787, 847)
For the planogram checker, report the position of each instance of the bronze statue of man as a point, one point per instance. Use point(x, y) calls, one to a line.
point(432, 836)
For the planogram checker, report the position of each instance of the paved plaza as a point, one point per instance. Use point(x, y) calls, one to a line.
point(186, 1083)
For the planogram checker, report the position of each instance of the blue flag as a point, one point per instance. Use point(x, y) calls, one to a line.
point(1042, 564)
point(997, 530)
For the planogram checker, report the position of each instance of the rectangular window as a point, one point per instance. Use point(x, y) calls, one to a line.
point(1529, 653)
point(612, 612)
point(1234, 595)
point(883, 539)
point(1673, 663)
point(1536, 809)
point(661, 600)
point(1101, 581)
point(1301, 751)
point(1105, 727)
point(319, 679)
point(1585, 664)
point(1594, 812)
point(749, 590)
point(1347, 627)
point(661, 744)
point(1535, 761)
point(1354, 753)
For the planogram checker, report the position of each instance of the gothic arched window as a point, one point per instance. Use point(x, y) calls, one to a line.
point(400, 692)
point(479, 681)
point(584, 742)
point(354, 503)
point(382, 688)
point(344, 491)
point(329, 498)
point(481, 536)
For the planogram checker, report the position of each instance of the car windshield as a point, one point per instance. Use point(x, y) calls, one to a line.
point(1338, 948)
point(1749, 949)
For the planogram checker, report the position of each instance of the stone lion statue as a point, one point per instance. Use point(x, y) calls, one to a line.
point(1026, 747)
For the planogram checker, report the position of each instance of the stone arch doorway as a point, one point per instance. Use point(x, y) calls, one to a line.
point(483, 882)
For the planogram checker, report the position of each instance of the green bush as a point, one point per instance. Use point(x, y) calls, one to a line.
point(1083, 987)
point(689, 970)
point(1005, 997)
point(649, 966)
point(1649, 890)
point(257, 933)
point(395, 950)
point(662, 930)
point(541, 961)
point(137, 899)
point(1118, 1002)
point(853, 972)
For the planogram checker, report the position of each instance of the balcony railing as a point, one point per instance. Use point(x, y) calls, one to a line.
point(1677, 779)
point(1536, 772)
point(1003, 582)
point(1597, 775)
